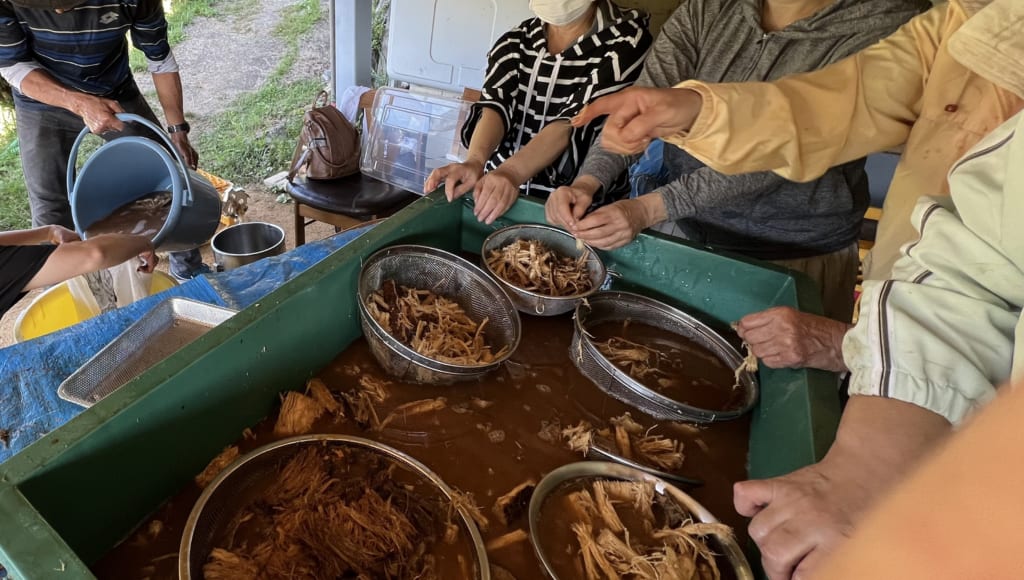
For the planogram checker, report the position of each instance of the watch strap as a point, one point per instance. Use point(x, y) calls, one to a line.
point(179, 128)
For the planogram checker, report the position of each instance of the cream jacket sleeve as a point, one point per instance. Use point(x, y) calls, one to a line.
point(802, 125)
point(943, 333)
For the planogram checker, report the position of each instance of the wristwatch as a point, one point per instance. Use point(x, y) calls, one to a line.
point(179, 128)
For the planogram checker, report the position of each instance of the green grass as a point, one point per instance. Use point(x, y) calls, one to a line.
point(179, 14)
point(14, 213)
point(256, 136)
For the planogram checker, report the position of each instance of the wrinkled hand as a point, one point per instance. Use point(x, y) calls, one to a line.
point(458, 178)
point(783, 337)
point(99, 114)
point(57, 235)
point(613, 226)
point(567, 204)
point(800, 518)
point(494, 194)
point(181, 143)
point(639, 114)
point(149, 261)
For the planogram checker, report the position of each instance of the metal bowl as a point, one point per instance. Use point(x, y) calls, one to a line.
point(604, 470)
point(450, 276)
point(223, 497)
point(620, 306)
point(561, 242)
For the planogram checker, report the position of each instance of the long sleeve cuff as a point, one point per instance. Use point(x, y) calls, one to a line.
point(17, 72)
point(167, 65)
point(703, 120)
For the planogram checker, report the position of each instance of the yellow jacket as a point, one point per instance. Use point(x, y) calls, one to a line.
point(905, 90)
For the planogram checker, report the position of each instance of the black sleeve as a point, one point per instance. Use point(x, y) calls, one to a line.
point(18, 265)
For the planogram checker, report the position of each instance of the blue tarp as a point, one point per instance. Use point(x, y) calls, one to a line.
point(31, 372)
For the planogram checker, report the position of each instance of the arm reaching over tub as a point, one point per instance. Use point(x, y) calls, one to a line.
point(48, 255)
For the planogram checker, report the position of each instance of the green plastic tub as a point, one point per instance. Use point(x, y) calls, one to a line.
point(74, 494)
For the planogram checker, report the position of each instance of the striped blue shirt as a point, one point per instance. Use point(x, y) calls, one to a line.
point(85, 48)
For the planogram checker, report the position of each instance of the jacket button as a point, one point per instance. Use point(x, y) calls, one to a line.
point(951, 108)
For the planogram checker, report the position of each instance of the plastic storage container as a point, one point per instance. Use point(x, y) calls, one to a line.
point(411, 135)
point(71, 496)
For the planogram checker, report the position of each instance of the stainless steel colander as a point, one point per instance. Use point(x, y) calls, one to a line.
point(555, 239)
point(601, 470)
point(225, 496)
point(620, 306)
point(448, 275)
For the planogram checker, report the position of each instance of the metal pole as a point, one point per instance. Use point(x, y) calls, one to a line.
point(352, 34)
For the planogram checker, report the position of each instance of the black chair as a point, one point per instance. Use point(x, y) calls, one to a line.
point(343, 202)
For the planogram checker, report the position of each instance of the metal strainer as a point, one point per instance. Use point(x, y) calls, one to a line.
point(555, 239)
point(621, 306)
point(226, 496)
point(448, 275)
point(601, 470)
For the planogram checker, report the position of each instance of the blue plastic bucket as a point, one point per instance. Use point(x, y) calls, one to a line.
point(126, 169)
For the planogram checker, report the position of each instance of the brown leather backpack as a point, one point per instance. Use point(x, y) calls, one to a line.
point(328, 146)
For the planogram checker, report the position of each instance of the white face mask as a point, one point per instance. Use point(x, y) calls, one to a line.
point(559, 12)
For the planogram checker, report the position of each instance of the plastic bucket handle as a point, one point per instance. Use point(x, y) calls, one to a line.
point(128, 117)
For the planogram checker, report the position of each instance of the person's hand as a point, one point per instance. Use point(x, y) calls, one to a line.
point(458, 178)
point(494, 194)
point(567, 204)
point(638, 114)
point(616, 225)
point(98, 114)
point(57, 235)
point(148, 261)
point(798, 519)
point(188, 154)
point(783, 337)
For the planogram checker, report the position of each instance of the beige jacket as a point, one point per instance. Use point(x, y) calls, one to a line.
point(947, 328)
point(908, 89)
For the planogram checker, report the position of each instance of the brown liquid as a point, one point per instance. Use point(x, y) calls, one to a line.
point(691, 374)
point(176, 337)
point(142, 217)
point(538, 384)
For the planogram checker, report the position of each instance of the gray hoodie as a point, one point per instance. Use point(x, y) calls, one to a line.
point(761, 214)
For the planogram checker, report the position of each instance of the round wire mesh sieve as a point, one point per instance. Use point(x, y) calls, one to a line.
point(562, 243)
point(227, 495)
point(574, 473)
point(447, 275)
point(620, 306)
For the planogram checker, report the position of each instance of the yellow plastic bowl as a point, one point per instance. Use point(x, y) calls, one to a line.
point(56, 309)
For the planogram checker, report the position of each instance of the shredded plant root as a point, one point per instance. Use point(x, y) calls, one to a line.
point(747, 365)
point(334, 513)
point(509, 507)
point(299, 412)
point(434, 326)
point(619, 535)
point(532, 266)
point(639, 361)
point(217, 465)
point(363, 400)
point(628, 439)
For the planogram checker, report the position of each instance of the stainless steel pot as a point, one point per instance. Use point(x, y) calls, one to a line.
point(245, 243)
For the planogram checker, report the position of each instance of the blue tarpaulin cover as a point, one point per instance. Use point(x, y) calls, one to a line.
point(31, 372)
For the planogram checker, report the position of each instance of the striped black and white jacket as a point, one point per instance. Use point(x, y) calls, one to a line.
point(530, 87)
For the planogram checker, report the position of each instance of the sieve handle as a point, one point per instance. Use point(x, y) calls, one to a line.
point(131, 118)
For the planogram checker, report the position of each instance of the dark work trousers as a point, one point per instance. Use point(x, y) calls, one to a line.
point(45, 138)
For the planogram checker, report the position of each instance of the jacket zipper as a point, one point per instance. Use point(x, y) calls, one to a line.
point(760, 52)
